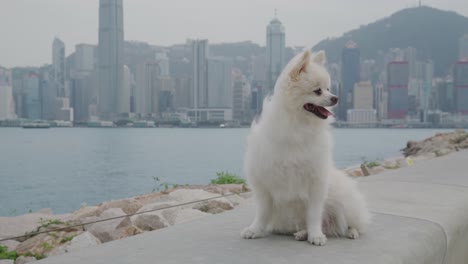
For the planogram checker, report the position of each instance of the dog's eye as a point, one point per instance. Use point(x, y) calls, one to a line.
point(318, 91)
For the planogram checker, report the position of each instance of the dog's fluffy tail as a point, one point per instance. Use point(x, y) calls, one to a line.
point(334, 220)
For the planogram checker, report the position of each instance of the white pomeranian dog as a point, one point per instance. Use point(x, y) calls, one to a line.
point(288, 161)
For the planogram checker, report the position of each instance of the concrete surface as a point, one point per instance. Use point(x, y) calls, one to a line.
point(420, 216)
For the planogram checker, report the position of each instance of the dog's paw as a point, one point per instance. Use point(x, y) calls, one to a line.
point(317, 240)
point(251, 233)
point(301, 235)
point(352, 233)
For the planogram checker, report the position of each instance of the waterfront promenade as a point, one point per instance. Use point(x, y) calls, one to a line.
point(420, 215)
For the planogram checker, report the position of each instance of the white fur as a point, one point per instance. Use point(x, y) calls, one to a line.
point(288, 162)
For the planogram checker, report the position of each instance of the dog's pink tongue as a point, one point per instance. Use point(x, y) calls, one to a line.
point(324, 111)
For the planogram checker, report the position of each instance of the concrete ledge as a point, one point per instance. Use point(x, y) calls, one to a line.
point(420, 216)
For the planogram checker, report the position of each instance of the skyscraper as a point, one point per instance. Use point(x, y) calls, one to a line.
point(219, 83)
point(200, 70)
point(240, 92)
point(463, 46)
point(125, 97)
point(58, 67)
point(32, 96)
point(460, 82)
point(275, 52)
point(146, 90)
point(163, 61)
point(7, 105)
point(426, 86)
point(350, 73)
point(85, 57)
point(363, 95)
point(397, 87)
point(110, 58)
point(83, 81)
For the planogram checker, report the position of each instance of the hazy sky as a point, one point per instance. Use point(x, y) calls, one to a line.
point(27, 27)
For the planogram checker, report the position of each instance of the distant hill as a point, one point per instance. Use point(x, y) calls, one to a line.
point(433, 32)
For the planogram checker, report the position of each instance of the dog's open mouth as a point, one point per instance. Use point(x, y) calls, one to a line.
point(319, 111)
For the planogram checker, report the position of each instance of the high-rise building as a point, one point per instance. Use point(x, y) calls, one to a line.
point(163, 61)
point(426, 87)
point(58, 67)
point(241, 91)
point(397, 88)
point(110, 58)
point(32, 96)
point(463, 48)
point(165, 99)
point(446, 96)
point(275, 51)
point(363, 106)
point(85, 57)
point(410, 55)
point(367, 70)
point(146, 90)
point(381, 101)
point(123, 104)
point(350, 74)
point(164, 96)
point(183, 92)
point(219, 83)
point(460, 82)
point(80, 98)
point(200, 55)
point(258, 83)
point(7, 105)
point(84, 81)
point(363, 96)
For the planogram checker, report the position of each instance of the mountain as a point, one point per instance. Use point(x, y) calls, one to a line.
point(433, 32)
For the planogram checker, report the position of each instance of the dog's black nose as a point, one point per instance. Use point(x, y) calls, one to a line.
point(334, 100)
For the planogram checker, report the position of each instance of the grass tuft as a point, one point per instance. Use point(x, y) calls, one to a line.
point(224, 177)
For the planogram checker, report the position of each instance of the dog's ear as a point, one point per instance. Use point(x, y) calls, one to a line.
point(320, 57)
point(300, 66)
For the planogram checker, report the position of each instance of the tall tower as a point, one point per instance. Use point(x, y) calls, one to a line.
point(397, 87)
point(110, 58)
point(58, 67)
point(219, 82)
point(200, 73)
point(7, 104)
point(350, 75)
point(275, 51)
point(460, 82)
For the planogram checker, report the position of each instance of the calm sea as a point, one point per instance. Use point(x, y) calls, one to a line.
point(61, 168)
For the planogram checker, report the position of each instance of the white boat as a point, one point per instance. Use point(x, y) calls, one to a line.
point(35, 125)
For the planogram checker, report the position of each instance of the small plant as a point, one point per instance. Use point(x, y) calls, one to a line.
point(44, 224)
point(372, 164)
point(5, 254)
point(164, 186)
point(224, 177)
point(46, 246)
point(37, 256)
point(66, 239)
point(47, 223)
point(392, 167)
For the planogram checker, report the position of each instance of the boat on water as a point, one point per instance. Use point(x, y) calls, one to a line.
point(35, 125)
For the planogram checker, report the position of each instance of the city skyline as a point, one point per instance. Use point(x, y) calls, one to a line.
point(201, 82)
point(79, 20)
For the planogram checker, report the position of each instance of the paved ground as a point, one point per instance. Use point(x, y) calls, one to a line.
point(420, 216)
